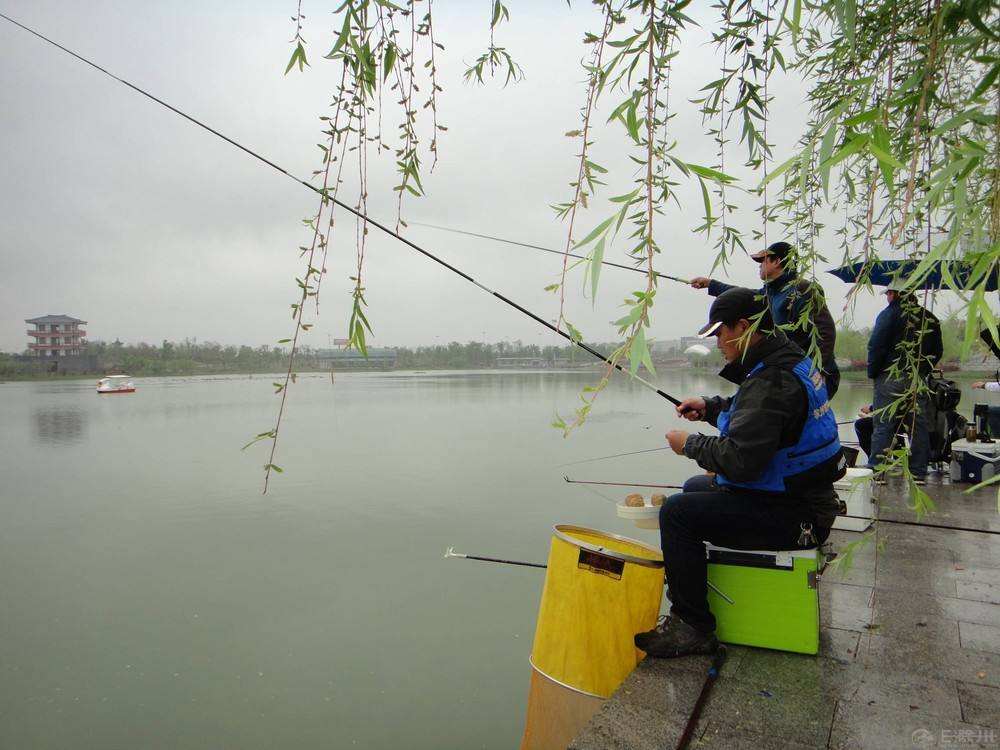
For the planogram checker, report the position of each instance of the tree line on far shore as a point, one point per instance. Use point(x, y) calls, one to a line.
point(852, 344)
point(189, 357)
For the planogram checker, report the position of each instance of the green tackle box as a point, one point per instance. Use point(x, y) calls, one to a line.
point(774, 601)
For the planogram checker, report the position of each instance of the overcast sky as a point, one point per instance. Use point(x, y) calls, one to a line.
point(121, 213)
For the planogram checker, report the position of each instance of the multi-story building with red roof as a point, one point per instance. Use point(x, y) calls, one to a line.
point(56, 336)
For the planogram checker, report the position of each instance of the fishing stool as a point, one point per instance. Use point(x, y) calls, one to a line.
point(766, 598)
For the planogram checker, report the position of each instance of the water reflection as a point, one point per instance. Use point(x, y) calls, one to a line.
point(59, 426)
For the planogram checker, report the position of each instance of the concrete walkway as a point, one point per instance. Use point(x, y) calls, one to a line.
point(909, 655)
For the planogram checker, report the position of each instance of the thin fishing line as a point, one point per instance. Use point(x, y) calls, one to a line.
point(543, 249)
point(616, 455)
point(600, 494)
point(325, 195)
point(625, 484)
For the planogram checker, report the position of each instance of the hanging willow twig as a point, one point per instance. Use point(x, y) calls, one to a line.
point(903, 133)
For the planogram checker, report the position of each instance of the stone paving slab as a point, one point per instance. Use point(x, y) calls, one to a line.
point(917, 608)
point(845, 607)
point(909, 653)
point(932, 659)
point(858, 726)
point(900, 690)
point(796, 714)
point(980, 637)
point(651, 707)
point(892, 621)
point(978, 592)
point(720, 736)
point(980, 704)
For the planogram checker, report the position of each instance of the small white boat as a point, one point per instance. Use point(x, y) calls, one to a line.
point(116, 384)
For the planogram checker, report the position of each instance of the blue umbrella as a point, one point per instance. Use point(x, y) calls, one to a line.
point(884, 272)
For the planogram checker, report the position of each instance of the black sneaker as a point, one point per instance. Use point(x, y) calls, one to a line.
point(673, 637)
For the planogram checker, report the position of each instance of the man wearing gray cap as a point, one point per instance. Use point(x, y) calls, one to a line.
point(775, 460)
point(789, 297)
point(905, 335)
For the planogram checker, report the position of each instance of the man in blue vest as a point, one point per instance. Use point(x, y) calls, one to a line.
point(790, 298)
point(775, 460)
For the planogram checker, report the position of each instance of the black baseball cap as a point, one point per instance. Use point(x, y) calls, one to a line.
point(733, 305)
point(780, 250)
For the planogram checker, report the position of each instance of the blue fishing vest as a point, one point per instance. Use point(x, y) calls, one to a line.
point(815, 458)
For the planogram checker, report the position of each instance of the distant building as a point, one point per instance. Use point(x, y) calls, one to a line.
point(687, 341)
point(664, 346)
point(531, 363)
point(56, 336)
point(334, 359)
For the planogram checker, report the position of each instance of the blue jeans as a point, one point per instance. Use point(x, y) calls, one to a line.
point(705, 512)
point(886, 426)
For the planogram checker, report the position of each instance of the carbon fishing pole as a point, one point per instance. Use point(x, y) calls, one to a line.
point(450, 552)
point(543, 249)
point(325, 195)
point(839, 515)
point(713, 673)
point(921, 524)
point(626, 484)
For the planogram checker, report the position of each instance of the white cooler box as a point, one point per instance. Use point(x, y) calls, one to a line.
point(972, 463)
point(855, 489)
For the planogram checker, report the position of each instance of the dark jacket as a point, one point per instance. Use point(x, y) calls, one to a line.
point(897, 330)
point(787, 296)
point(769, 415)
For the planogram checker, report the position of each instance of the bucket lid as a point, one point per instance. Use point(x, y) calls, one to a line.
point(576, 535)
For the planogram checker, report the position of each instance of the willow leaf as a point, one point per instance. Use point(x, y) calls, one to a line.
point(595, 232)
point(853, 146)
point(596, 260)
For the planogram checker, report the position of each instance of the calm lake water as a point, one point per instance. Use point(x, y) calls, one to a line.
point(151, 597)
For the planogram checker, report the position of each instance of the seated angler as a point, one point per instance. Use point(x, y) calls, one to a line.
point(776, 458)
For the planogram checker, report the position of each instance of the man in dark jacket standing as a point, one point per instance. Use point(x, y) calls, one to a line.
point(788, 297)
point(775, 460)
point(905, 334)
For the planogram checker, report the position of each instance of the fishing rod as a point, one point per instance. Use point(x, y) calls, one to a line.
point(839, 515)
point(616, 455)
point(924, 525)
point(626, 484)
point(450, 552)
point(713, 673)
point(325, 195)
point(544, 249)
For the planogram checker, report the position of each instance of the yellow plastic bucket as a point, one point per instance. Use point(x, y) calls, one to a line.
point(600, 589)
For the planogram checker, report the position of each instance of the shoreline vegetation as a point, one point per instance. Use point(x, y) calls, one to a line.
point(850, 376)
point(189, 357)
